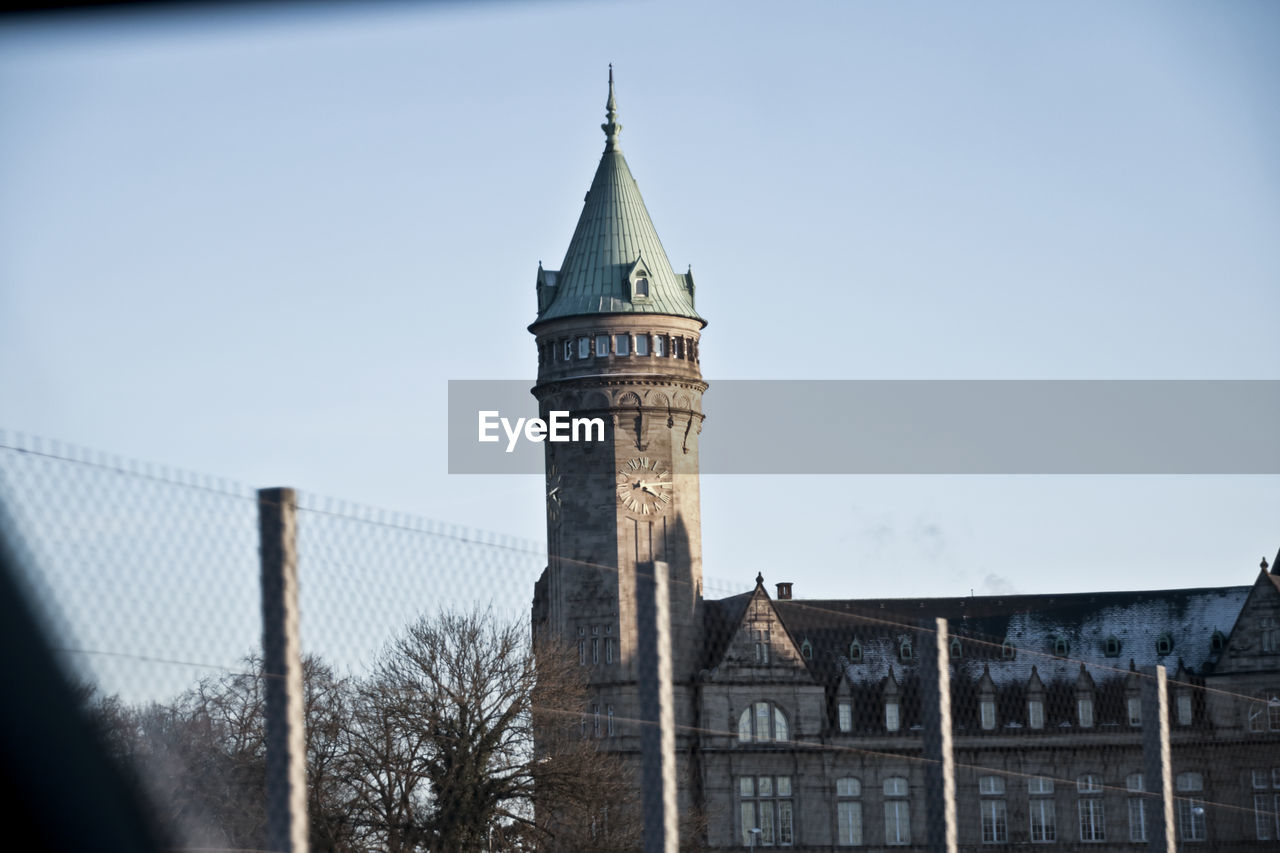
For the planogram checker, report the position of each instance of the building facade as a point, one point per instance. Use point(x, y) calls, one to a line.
point(799, 721)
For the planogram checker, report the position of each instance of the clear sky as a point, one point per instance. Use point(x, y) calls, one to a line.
point(258, 243)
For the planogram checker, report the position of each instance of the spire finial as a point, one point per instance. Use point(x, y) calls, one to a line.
point(611, 127)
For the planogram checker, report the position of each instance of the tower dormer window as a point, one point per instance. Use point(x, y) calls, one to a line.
point(640, 290)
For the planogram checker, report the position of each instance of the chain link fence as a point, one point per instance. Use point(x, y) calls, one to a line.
point(1099, 721)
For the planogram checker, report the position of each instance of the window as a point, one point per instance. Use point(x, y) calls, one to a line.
point(641, 289)
point(677, 347)
point(602, 345)
point(987, 707)
point(848, 812)
point(595, 644)
point(1191, 814)
point(995, 820)
point(1035, 713)
point(905, 651)
point(892, 720)
point(855, 652)
point(568, 350)
point(608, 644)
point(765, 805)
point(1084, 711)
point(1266, 806)
point(1134, 705)
point(1270, 635)
point(659, 345)
point(1044, 823)
point(1164, 644)
point(584, 347)
point(610, 727)
point(897, 812)
point(582, 648)
point(806, 650)
point(1264, 712)
point(1008, 650)
point(762, 646)
point(762, 722)
point(1183, 701)
point(845, 716)
point(1111, 648)
point(1137, 808)
point(1093, 824)
point(642, 344)
point(621, 344)
point(1061, 647)
point(595, 717)
point(957, 648)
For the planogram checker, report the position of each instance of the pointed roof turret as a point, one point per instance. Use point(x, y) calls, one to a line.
point(615, 263)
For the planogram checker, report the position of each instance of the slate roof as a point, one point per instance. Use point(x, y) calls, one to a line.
point(613, 232)
point(983, 623)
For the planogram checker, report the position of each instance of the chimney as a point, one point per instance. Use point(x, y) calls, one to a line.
point(784, 592)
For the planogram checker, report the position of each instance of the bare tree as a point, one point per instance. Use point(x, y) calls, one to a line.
point(444, 736)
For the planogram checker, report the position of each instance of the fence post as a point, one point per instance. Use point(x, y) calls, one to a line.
point(1157, 762)
point(282, 670)
point(939, 761)
point(657, 720)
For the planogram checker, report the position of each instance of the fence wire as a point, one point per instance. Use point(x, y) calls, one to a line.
point(795, 722)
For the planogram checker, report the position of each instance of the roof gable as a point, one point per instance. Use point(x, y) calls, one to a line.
point(1243, 650)
point(760, 648)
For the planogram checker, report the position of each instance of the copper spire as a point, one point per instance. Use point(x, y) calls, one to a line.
point(611, 127)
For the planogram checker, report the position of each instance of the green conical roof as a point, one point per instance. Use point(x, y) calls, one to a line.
point(614, 241)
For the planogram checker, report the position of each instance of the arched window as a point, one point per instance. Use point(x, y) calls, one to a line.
point(855, 652)
point(905, 652)
point(806, 649)
point(1217, 642)
point(957, 648)
point(1111, 648)
point(1061, 647)
point(762, 722)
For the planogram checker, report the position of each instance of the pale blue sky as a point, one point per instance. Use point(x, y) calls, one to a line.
point(259, 243)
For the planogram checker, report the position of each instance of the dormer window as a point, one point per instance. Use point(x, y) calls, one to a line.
point(1164, 644)
point(1111, 648)
point(1008, 650)
point(640, 289)
point(905, 652)
point(1217, 642)
point(1061, 647)
point(855, 652)
point(957, 648)
point(806, 649)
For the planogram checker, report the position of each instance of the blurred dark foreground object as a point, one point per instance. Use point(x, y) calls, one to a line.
point(58, 788)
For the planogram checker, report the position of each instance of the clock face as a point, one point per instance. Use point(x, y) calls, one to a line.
point(644, 486)
point(555, 492)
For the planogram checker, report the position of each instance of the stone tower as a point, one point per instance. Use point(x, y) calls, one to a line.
point(617, 338)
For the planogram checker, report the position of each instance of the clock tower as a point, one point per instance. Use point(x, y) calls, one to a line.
point(618, 339)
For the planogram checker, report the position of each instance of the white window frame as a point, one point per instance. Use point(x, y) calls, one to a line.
point(1084, 711)
point(987, 710)
point(1134, 706)
point(897, 812)
point(766, 803)
point(1035, 713)
point(760, 715)
point(844, 715)
point(1192, 817)
point(1093, 820)
point(848, 812)
point(1137, 808)
point(892, 716)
